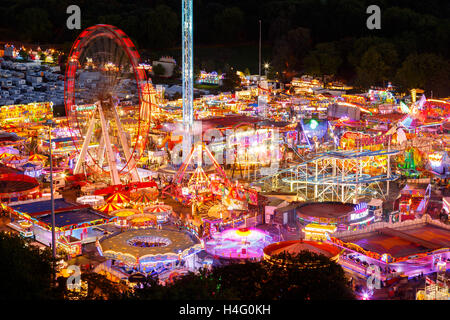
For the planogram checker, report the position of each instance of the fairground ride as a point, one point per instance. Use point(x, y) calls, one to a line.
point(105, 106)
point(342, 175)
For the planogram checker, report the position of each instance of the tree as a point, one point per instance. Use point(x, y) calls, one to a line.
point(294, 280)
point(27, 270)
point(231, 80)
point(290, 50)
point(427, 71)
point(23, 54)
point(158, 70)
point(35, 24)
point(229, 24)
point(100, 288)
point(377, 64)
point(323, 60)
point(325, 280)
point(160, 26)
point(372, 69)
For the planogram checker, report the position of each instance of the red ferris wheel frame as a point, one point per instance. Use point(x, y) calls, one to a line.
point(127, 45)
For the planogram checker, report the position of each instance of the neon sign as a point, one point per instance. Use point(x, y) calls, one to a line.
point(361, 211)
point(83, 107)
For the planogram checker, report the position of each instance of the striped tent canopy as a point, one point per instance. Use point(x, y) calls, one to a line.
point(143, 198)
point(158, 208)
point(37, 158)
point(118, 198)
point(14, 159)
point(109, 207)
point(5, 155)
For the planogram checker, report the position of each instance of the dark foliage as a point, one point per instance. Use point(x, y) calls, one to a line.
point(306, 276)
point(26, 270)
point(295, 31)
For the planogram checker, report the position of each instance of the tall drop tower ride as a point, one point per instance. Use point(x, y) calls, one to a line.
point(187, 76)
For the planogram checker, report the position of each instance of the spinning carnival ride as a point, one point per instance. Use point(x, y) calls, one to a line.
point(106, 104)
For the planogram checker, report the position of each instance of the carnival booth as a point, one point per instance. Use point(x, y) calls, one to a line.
point(72, 221)
point(343, 216)
point(160, 211)
point(91, 200)
point(413, 201)
point(32, 170)
point(439, 163)
point(318, 232)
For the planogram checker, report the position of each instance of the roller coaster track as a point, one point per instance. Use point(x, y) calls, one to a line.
point(333, 154)
point(332, 169)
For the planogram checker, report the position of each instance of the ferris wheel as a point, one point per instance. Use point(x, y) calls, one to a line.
point(107, 103)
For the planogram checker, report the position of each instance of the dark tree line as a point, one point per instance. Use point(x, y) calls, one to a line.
point(326, 37)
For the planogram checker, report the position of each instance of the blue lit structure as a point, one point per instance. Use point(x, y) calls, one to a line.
point(187, 74)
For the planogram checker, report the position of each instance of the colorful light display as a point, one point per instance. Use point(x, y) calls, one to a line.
point(245, 243)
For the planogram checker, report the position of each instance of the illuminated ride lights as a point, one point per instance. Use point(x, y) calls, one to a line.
point(150, 250)
point(318, 232)
point(242, 243)
point(110, 48)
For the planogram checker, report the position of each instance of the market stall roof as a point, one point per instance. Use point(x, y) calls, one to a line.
point(123, 213)
point(9, 136)
point(63, 139)
point(227, 121)
point(402, 243)
point(29, 165)
point(14, 159)
point(71, 217)
point(296, 246)
point(324, 209)
point(273, 123)
point(43, 207)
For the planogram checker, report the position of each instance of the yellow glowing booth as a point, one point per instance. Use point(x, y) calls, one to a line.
point(317, 232)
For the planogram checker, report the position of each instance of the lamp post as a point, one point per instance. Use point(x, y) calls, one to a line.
point(50, 123)
point(259, 64)
point(266, 67)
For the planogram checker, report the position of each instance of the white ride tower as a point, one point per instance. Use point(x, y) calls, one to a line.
point(105, 146)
